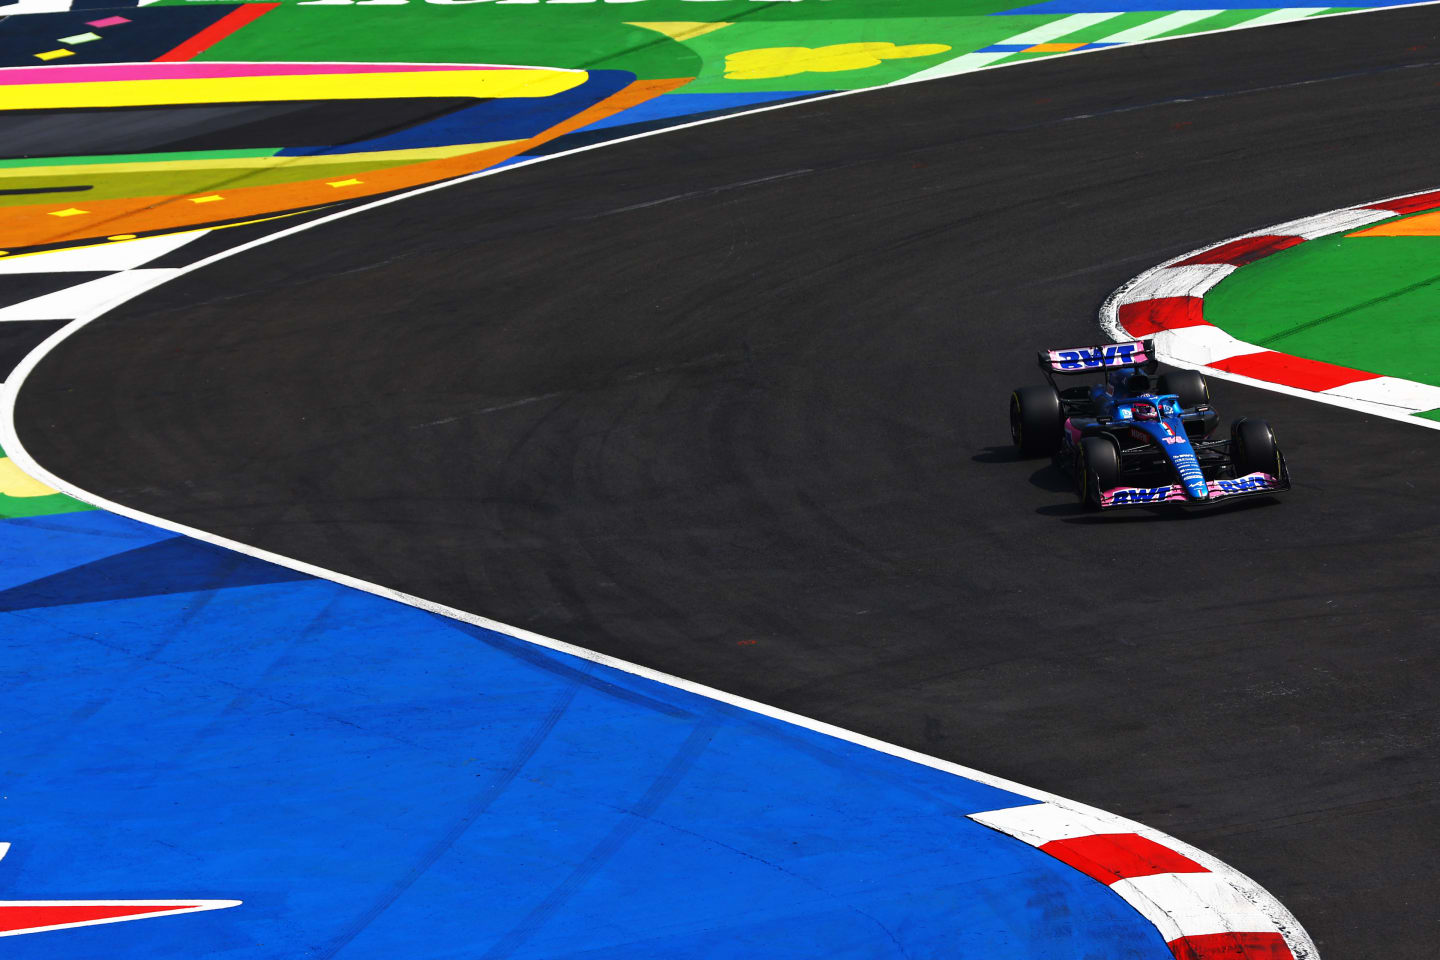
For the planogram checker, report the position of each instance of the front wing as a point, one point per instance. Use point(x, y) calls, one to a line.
point(1253, 484)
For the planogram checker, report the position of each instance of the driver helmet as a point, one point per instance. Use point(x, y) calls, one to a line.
point(1144, 410)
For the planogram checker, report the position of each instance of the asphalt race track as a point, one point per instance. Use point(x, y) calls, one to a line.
point(730, 402)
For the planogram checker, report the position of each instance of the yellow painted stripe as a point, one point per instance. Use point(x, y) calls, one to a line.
point(344, 86)
point(377, 157)
point(13, 483)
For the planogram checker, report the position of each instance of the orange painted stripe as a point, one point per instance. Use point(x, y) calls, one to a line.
point(217, 31)
point(33, 225)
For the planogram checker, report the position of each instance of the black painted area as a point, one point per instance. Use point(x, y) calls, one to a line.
point(19, 287)
point(19, 337)
point(24, 191)
point(730, 402)
point(147, 33)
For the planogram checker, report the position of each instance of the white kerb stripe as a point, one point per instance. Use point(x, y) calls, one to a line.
point(1191, 280)
point(89, 297)
point(1192, 905)
point(1059, 28)
point(1285, 15)
point(1320, 225)
point(1173, 21)
point(99, 257)
point(1391, 391)
point(952, 68)
point(1202, 345)
point(1039, 823)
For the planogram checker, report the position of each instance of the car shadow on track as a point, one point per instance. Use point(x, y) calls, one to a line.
point(1047, 476)
point(1078, 513)
point(1052, 479)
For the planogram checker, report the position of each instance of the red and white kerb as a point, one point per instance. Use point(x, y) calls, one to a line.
point(1200, 912)
point(1168, 303)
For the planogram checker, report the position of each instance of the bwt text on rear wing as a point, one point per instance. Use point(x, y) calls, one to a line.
point(1097, 359)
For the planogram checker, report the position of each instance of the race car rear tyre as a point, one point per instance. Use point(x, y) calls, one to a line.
point(1188, 385)
point(1036, 420)
point(1253, 448)
point(1097, 469)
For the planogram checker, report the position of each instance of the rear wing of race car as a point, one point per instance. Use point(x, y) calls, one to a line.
point(1098, 359)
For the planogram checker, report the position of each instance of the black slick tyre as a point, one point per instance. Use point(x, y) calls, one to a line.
point(1097, 469)
point(1253, 448)
point(1036, 420)
point(1188, 385)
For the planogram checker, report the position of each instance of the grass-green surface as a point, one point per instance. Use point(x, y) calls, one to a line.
point(1372, 303)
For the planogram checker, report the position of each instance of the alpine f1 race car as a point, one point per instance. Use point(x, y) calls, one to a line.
point(1133, 439)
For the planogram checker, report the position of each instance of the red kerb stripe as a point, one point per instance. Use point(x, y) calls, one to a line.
point(217, 31)
point(1243, 251)
point(50, 915)
point(1421, 201)
point(1232, 946)
point(1146, 317)
point(1119, 856)
point(1292, 371)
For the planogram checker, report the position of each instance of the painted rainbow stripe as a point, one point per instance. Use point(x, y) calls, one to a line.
point(112, 72)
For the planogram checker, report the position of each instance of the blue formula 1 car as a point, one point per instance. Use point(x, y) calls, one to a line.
point(1133, 439)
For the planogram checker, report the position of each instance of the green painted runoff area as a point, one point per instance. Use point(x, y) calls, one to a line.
point(923, 34)
point(1372, 303)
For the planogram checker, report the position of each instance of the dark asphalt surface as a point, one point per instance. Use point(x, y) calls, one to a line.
point(730, 402)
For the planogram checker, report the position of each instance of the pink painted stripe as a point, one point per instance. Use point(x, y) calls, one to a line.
point(92, 73)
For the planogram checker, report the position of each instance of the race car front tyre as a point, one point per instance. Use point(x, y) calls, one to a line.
point(1036, 420)
point(1097, 469)
point(1188, 385)
point(1253, 448)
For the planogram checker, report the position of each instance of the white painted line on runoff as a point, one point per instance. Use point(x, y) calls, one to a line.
point(98, 294)
point(107, 255)
point(1174, 21)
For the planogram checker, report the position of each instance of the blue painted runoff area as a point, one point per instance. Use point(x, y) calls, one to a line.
point(674, 106)
point(375, 781)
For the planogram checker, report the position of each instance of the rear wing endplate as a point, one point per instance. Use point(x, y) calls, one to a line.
point(1071, 360)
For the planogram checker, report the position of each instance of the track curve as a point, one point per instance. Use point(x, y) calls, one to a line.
point(755, 437)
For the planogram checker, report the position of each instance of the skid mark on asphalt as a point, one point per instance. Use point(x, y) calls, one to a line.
point(696, 194)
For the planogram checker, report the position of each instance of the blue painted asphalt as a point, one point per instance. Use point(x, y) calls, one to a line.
point(376, 781)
